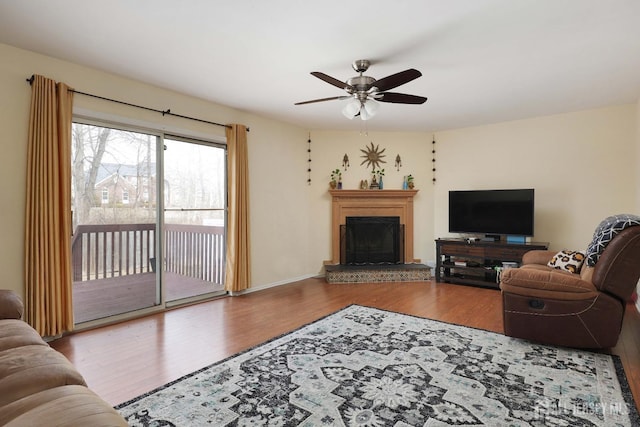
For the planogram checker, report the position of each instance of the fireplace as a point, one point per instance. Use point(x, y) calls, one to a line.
point(372, 203)
point(371, 240)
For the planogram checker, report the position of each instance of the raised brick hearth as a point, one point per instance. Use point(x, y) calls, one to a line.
point(377, 273)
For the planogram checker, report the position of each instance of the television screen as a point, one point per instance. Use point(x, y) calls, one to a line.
point(503, 212)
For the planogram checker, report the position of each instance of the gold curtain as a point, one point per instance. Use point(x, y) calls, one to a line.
point(238, 263)
point(48, 292)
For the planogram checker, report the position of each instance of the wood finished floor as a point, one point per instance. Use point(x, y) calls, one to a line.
point(125, 360)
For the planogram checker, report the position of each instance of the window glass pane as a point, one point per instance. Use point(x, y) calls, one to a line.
point(114, 221)
point(194, 218)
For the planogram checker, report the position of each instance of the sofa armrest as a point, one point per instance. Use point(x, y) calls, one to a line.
point(11, 306)
point(538, 256)
point(546, 283)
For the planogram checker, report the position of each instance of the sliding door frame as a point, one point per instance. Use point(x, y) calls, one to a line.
point(129, 125)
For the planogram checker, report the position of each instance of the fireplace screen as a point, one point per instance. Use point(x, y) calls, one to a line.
point(372, 240)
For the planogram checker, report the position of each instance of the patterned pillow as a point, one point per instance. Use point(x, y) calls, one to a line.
point(570, 261)
point(605, 232)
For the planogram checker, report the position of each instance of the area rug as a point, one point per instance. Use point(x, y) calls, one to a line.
point(368, 367)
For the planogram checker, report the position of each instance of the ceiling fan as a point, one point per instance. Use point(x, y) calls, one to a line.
point(365, 92)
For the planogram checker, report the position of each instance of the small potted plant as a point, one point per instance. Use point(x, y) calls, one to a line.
point(336, 179)
point(410, 182)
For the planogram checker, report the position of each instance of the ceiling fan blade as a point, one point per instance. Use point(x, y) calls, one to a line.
point(322, 99)
point(397, 79)
point(331, 80)
point(400, 98)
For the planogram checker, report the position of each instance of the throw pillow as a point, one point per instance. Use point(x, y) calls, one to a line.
point(566, 260)
point(607, 229)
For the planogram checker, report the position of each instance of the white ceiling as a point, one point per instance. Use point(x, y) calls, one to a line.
point(483, 61)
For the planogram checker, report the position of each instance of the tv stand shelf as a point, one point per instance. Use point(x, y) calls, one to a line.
point(474, 263)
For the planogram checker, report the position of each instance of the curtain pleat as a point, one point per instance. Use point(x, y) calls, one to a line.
point(48, 285)
point(238, 263)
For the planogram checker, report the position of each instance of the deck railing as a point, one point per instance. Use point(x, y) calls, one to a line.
point(195, 251)
point(113, 250)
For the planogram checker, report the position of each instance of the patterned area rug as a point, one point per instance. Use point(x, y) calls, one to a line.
point(367, 367)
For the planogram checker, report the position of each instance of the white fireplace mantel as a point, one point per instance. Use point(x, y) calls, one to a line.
point(371, 203)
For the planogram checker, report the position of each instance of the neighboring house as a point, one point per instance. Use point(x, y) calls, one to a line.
point(126, 185)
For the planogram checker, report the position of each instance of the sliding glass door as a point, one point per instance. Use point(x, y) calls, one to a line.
point(115, 221)
point(148, 229)
point(194, 218)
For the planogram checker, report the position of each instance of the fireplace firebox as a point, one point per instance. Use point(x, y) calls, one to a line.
point(367, 240)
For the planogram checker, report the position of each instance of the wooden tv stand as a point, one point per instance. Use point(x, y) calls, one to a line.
point(474, 263)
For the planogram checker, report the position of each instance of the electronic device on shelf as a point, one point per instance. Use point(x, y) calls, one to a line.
point(493, 213)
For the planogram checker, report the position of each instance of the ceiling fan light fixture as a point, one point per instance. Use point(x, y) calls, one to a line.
point(351, 108)
point(369, 109)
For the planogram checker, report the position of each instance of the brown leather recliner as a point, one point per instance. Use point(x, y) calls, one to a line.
point(583, 310)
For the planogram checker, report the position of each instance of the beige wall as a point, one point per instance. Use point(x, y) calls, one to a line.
point(638, 157)
point(276, 153)
point(328, 149)
point(583, 166)
point(637, 177)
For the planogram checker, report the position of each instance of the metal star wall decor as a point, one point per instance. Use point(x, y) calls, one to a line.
point(373, 156)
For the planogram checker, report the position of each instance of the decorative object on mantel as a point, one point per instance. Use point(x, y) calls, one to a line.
point(373, 156)
point(398, 162)
point(407, 183)
point(374, 184)
point(309, 161)
point(364, 184)
point(379, 174)
point(433, 158)
point(345, 161)
point(336, 179)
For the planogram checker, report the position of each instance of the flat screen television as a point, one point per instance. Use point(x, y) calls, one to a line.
point(492, 212)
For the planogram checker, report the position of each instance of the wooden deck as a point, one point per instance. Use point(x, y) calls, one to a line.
point(101, 298)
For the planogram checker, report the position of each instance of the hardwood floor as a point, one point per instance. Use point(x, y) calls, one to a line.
point(125, 360)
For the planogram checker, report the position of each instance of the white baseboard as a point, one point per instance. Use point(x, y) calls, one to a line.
point(274, 284)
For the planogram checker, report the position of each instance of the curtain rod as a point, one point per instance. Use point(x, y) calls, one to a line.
point(163, 112)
